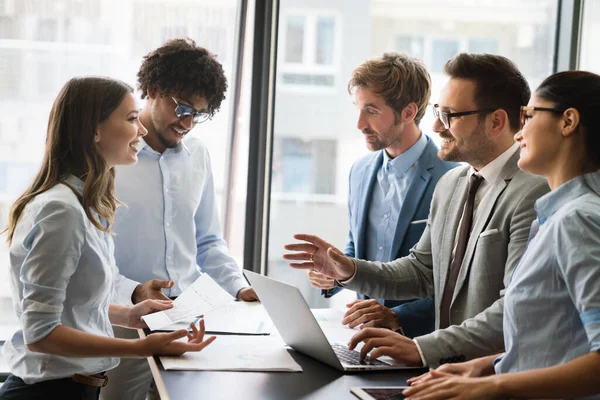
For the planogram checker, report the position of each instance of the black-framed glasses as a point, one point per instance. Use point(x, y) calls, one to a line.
point(524, 117)
point(445, 117)
point(183, 111)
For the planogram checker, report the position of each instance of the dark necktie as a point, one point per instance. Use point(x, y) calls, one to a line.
point(459, 254)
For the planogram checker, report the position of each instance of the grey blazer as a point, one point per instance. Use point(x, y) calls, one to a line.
point(495, 245)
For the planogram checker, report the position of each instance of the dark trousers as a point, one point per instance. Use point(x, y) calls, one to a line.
point(14, 388)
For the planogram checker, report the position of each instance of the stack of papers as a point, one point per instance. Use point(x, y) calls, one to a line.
point(237, 353)
point(201, 297)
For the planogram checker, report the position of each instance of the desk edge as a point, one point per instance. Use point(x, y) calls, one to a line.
point(160, 384)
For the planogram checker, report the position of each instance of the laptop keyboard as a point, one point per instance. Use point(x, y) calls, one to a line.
point(352, 357)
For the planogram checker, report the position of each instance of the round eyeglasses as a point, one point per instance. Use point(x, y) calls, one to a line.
point(183, 111)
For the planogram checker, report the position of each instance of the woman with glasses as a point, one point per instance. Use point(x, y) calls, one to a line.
point(552, 303)
point(61, 253)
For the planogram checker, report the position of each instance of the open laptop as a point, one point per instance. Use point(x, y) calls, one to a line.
point(300, 330)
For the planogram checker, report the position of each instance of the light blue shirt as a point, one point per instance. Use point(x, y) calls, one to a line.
point(393, 180)
point(62, 270)
point(170, 227)
point(552, 304)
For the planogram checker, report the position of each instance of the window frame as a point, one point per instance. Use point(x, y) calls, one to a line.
point(308, 66)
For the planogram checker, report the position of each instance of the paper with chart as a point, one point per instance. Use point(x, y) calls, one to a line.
point(201, 297)
point(237, 317)
point(237, 353)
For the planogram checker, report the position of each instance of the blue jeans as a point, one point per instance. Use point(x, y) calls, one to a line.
point(14, 388)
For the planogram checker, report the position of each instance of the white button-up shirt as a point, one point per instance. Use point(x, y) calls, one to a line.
point(170, 226)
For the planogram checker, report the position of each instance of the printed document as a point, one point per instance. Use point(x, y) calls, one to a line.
point(236, 353)
point(201, 297)
point(237, 317)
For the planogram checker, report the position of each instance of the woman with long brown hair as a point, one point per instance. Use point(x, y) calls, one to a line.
point(61, 252)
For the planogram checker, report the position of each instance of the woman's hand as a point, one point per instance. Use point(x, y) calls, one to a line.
point(443, 385)
point(470, 369)
point(134, 318)
point(167, 344)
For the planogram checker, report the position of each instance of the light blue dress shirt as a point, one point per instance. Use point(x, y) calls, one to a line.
point(393, 178)
point(63, 270)
point(170, 227)
point(552, 304)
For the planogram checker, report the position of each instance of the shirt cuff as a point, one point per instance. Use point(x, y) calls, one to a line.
point(349, 280)
point(420, 353)
point(234, 287)
point(124, 288)
point(591, 323)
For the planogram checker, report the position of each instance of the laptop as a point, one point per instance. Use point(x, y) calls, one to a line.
point(300, 330)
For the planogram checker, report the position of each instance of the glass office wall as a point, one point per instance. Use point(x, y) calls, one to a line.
point(45, 43)
point(315, 135)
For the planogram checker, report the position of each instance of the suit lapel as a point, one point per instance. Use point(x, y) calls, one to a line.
point(485, 210)
point(453, 215)
point(366, 185)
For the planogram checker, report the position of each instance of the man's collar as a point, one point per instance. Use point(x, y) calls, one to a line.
point(492, 171)
point(180, 146)
point(404, 161)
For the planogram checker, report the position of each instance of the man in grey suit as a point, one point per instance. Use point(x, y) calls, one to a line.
point(476, 231)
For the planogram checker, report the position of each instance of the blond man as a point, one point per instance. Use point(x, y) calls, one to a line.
point(391, 188)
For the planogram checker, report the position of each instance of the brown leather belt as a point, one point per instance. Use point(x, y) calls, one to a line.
point(99, 380)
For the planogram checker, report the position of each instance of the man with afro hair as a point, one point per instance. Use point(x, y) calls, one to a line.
point(169, 232)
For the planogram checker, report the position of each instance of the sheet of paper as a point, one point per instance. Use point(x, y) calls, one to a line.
point(237, 353)
point(201, 297)
point(237, 317)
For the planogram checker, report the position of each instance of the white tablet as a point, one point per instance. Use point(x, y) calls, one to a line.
point(379, 393)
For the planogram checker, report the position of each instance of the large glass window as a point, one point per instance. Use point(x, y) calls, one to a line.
point(294, 49)
point(45, 43)
point(522, 30)
point(308, 42)
point(589, 56)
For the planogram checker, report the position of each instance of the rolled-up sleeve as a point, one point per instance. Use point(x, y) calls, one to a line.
point(52, 240)
point(579, 264)
point(123, 290)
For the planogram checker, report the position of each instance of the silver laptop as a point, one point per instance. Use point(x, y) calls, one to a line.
point(300, 330)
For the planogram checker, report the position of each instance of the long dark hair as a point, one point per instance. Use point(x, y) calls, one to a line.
point(82, 104)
